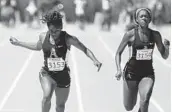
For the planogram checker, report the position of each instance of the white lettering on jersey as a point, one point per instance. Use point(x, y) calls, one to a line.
point(56, 63)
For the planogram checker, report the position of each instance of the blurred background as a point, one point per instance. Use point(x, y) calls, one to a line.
point(98, 24)
point(120, 11)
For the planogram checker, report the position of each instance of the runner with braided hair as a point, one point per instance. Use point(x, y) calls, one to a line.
point(55, 74)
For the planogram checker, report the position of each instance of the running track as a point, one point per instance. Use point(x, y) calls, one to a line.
point(91, 91)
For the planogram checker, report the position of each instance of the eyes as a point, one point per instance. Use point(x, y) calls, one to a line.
point(144, 16)
point(55, 31)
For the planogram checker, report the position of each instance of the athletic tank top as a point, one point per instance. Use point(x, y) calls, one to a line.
point(55, 55)
point(141, 59)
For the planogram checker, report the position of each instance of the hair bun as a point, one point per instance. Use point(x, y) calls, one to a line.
point(51, 15)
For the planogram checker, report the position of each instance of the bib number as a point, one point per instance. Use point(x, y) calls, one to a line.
point(55, 64)
point(144, 54)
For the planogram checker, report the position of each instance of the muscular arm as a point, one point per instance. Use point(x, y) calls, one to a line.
point(164, 50)
point(33, 46)
point(126, 38)
point(75, 42)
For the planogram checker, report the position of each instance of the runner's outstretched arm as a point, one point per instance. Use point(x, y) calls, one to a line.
point(75, 42)
point(32, 46)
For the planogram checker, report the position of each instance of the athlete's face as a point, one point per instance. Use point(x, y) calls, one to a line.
point(143, 18)
point(54, 31)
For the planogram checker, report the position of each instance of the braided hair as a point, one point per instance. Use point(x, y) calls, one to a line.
point(52, 17)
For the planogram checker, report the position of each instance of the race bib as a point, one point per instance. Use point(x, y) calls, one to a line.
point(144, 54)
point(55, 64)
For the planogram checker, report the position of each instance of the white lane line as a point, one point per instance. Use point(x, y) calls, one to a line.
point(77, 83)
point(156, 105)
point(154, 102)
point(12, 110)
point(8, 94)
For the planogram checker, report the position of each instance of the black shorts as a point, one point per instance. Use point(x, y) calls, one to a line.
point(61, 78)
point(137, 75)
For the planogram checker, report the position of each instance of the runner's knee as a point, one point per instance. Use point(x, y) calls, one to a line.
point(144, 101)
point(46, 98)
point(129, 107)
point(60, 107)
point(144, 98)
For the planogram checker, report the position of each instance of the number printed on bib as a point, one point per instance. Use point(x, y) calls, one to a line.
point(144, 54)
point(55, 64)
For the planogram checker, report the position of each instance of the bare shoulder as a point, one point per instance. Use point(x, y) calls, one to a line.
point(155, 33)
point(70, 38)
point(129, 35)
point(42, 36)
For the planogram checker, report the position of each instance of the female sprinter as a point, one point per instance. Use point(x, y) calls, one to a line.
point(138, 73)
point(54, 76)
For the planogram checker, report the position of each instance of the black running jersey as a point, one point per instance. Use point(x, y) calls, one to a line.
point(141, 60)
point(55, 55)
point(142, 50)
